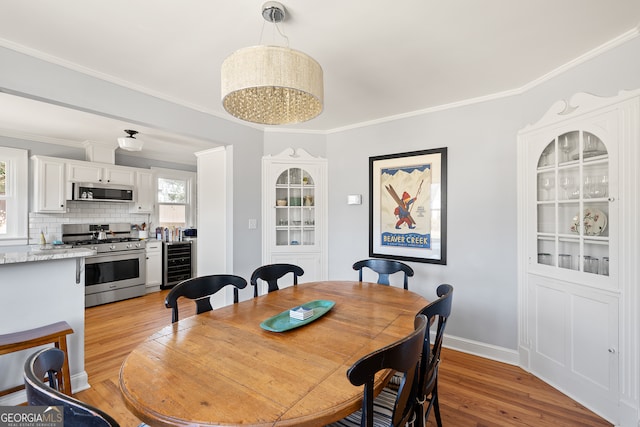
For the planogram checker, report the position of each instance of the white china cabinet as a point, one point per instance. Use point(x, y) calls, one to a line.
point(294, 212)
point(578, 250)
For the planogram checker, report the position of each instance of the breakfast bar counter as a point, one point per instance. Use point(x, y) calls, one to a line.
point(40, 287)
point(31, 253)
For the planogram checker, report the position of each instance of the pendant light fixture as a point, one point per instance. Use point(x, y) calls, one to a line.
point(272, 85)
point(130, 143)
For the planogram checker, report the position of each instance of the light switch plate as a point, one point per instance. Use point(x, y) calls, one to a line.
point(354, 199)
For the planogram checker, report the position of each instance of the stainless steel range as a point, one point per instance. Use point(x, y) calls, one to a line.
point(118, 270)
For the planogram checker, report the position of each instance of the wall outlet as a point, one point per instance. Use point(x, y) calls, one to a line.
point(253, 224)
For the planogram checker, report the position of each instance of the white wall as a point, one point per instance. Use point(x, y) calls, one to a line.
point(481, 239)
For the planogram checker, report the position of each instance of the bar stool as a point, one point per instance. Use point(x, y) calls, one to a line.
point(55, 333)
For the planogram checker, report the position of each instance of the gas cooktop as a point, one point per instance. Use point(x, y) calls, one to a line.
point(100, 241)
point(116, 237)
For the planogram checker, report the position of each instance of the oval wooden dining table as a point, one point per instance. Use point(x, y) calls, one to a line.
point(221, 368)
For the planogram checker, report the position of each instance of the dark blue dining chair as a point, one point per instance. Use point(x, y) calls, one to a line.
point(271, 273)
point(48, 363)
point(402, 356)
point(200, 289)
point(384, 267)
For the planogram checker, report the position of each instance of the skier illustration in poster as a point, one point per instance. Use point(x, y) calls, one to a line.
point(403, 211)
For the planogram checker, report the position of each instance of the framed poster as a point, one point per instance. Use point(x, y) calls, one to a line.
point(408, 206)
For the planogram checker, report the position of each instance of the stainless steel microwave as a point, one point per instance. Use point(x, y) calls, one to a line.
point(102, 193)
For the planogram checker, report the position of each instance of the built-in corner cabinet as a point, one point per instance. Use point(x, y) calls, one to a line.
point(49, 184)
point(294, 212)
point(578, 250)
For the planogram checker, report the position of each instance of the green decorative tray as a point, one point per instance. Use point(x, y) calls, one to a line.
point(283, 322)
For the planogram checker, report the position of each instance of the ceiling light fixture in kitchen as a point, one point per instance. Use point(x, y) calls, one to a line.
point(130, 143)
point(272, 85)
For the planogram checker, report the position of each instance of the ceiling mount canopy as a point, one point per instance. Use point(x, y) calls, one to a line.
point(272, 85)
point(130, 143)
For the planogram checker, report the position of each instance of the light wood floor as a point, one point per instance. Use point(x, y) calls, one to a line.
point(473, 391)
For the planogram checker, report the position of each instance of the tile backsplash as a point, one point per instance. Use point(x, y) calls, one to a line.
point(80, 213)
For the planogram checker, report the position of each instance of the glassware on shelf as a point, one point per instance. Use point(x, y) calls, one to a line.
point(590, 144)
point(295, 175)
point(567, 183)
point(596, 186)
point(566, 144)
point(544, 258)
point(602, 184)
point(282, 179)
point(547, 183)
point(546, 158)
point(605, 266)
point(591, 264)
point(589, 185)
point(564, 261)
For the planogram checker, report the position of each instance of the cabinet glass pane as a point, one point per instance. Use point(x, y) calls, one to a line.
point(306, 178)
point(295, 197)
point(569, 183)
point(595, 181)
point(546, 251)
point(282, 237)
point(572, 199)
point(592, 146)
point(295, 235)
point(596, 253)
point(568, 253)
point(309, 217)
point(295, 208)
point(569, 218)
point(548, 156)
point(283, 178)
point(295, 176)
point(568, 146)
point(546, 186)
point(595, 219)
point(546, 218)
point(282, 217)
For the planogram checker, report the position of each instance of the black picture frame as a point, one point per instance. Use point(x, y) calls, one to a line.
point(408, 206)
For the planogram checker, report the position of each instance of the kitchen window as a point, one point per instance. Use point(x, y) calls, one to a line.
point(13, 195)
point(175, 198)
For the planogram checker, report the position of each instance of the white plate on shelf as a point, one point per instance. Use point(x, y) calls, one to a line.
point(595, 222)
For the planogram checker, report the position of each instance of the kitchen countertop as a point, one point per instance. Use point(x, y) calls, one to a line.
point(31, 253)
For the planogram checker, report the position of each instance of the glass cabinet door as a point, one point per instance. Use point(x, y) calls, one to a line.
point(573, 203)
point(295, 216)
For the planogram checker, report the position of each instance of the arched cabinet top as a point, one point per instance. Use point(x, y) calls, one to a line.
point(578, 104)
point(292, 155)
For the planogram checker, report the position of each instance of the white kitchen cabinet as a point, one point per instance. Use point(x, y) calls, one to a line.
point(49, 184)
point(154, 265)
point(96, 173)
point(145, 193)
point(294, 212)
point(578, 249)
